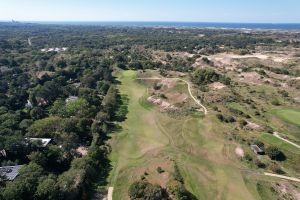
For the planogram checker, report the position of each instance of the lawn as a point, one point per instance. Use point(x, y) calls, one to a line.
point(149, 139)
point(289, 116)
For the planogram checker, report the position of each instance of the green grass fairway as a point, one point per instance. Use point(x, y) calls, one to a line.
point(289, 116)
point(272, 140)
point(149, 139)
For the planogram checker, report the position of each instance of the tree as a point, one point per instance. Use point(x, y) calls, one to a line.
point(25, 185)
point(80, 108)
point(2, 179)
point(47, 189)
point(70, 183)
point(38, 158)
point(37, 113)
point(46, 127)
point(58, 108)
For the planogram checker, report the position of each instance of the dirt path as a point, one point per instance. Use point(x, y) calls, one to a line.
point(283, 177)
point(189, 89)
point(110, 193)
point(29, 41)
point(276, 134)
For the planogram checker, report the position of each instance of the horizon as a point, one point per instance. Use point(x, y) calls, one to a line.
point(146, 21)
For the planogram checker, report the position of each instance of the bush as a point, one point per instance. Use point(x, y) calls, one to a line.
point(274, 153)
point(160, 170)
point(268, 129)
point(275, 102)
point(206, 76)
point(178, 190)
point(259, 164)
point(242, 123)
point(248, 157)
point(144, 190)
point(276, 169)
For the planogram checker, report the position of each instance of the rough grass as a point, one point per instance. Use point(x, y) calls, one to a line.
point(150, 138)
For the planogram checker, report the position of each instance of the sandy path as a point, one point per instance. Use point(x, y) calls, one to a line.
point(29, 42)
point(283, 177)
point(276, 134)
point(189, 89)
point(110, 193)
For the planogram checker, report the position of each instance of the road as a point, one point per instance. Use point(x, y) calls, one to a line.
point(283, 177)
point(276, 134)
point(189, 89)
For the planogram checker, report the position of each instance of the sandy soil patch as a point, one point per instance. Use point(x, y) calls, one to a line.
point(169, 83)
point(42, 73)
point(253, 126)
point(163, 105)
point(82, 151)
point(239, 152)
point(250, 77)
point(217, 86)
point(177, 97)
point(286, 191)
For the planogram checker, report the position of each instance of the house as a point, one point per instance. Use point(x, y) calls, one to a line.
point(29, 104)
point(3, 153)
point(10, 172)
point(42, 142)
point(71, 99)
point(257, 150)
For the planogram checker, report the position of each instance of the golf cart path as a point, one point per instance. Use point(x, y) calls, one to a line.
point(189, 89)
point(283, 177)
point(276, 134)
point(110, 193)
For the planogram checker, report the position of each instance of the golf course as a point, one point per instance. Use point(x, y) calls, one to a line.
point(149, 139)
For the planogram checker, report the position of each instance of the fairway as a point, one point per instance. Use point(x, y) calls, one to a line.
point(149, 139)
point(289, 116)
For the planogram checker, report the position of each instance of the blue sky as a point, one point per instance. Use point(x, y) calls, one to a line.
point(274, 11)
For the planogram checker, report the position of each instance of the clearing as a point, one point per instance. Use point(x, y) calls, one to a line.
point(149, 139)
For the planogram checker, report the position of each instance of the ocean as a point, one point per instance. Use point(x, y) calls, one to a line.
point(283, 26)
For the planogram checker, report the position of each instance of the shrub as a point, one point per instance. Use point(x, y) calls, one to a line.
point(242, 123)
point(276, 169)
point(145, 190)
point(179, 191)
point(248, 157)
point(160, 170)
point(274, 153)
point(275, 102)
point(259, 164)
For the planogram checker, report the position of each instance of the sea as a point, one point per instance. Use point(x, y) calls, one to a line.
point(282, 26)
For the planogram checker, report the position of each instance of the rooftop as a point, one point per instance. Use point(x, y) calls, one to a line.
point(256, 148)
point(71, 99)
point(10, 172)
point(44, 141)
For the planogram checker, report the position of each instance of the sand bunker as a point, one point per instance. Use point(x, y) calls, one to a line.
point(163, 105)
point(239, 152)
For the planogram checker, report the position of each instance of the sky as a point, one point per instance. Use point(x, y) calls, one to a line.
point(252, 11)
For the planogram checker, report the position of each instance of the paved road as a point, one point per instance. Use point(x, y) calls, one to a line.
point(283, 177)
point(276, 134)
point(110, 193)
point(189, 89)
